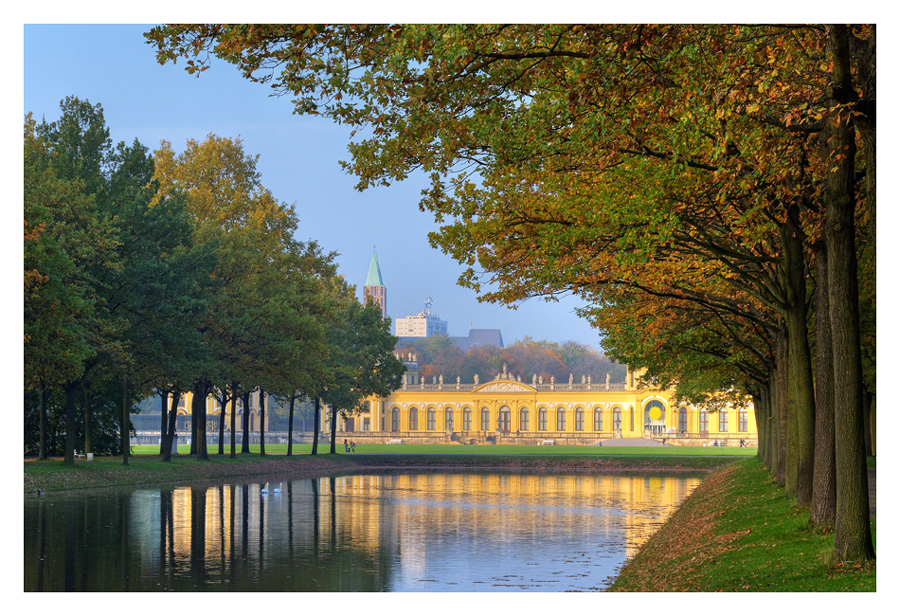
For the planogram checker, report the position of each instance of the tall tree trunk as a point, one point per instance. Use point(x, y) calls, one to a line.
point(317, 418)
point(822, 507)
point(163, 421)
point(770, 420)
point(201, 391)
point(780, 432)
point(245, 424)
point(760, 411)
point(126, 420)
point(852, 532)
point(800, 392)
point(235, 394)
point(42, 410)
point(223, 405)
point(171, 435)
point(71, 391)
point(334, 414)
point(88, 446)
point(194, 427)
point(262, 422)
point(290, 443)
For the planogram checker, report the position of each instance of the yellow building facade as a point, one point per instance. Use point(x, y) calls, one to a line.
point(506, 410)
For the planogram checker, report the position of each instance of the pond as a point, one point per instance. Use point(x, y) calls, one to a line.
point(397, 532)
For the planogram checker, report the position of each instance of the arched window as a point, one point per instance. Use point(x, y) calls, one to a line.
point(485, 419)
point(542, 419)
point(432, 419)
point(523, 419)
point(413, 418)
point(655, 417)
point(598, 419)
point(560, 419)
point(682, 419)
point(579, 419)
point(467, 419)
point(503, 419)
point(395, 419)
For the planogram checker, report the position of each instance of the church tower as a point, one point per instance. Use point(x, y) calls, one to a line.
point(374, 288)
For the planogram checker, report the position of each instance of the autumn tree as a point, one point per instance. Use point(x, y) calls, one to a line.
point(250, 232)
point(574, 158)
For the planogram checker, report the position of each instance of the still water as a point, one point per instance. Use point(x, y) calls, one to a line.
point(420, 532)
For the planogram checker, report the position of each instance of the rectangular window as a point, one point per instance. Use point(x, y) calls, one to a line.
point(598, 420)
point(723, 421)
point(560, 420)
point(523, 420)
point(485, 420)
point(542, 420)
point(467, 419)
point(579, 420)
point(742, 420)
point(704, 421)
point(413, 419)
point(432, 423)
point(448, 420)
point(682, 419)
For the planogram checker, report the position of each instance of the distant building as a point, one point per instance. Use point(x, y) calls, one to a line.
point(374, 288)
point(477, 338)
point(422, 325)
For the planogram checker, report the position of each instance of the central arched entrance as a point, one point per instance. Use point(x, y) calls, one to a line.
point(655, 417)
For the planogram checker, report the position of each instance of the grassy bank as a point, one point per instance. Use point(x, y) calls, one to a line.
point(52, 475)
point(738, 532)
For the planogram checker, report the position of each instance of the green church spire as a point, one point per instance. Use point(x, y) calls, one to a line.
point(374, 279)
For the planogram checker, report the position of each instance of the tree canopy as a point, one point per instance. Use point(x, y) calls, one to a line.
point(678, 177)
point(170, 273)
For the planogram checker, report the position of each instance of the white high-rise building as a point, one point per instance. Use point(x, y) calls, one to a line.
point(420, 325)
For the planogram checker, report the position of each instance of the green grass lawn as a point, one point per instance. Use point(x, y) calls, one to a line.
point(146, 467)
point(739, 532)
point(573, 450)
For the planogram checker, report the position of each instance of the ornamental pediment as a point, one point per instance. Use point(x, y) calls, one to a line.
point(504, 386)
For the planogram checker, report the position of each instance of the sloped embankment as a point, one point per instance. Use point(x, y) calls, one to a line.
point(738, 532)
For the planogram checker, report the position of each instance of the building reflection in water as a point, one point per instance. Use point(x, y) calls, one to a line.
point(428, 531)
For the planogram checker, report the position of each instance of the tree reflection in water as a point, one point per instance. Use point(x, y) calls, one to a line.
point(424, 532)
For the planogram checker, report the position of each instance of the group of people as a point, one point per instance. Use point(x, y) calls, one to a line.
point(349, 447)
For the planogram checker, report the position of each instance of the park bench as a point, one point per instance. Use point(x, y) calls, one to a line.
point(394, 441)
point(547, 442)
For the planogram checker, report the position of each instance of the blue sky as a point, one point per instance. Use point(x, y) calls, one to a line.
point(298, 160)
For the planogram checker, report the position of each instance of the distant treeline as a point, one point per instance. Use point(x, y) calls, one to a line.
point(438, 355)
